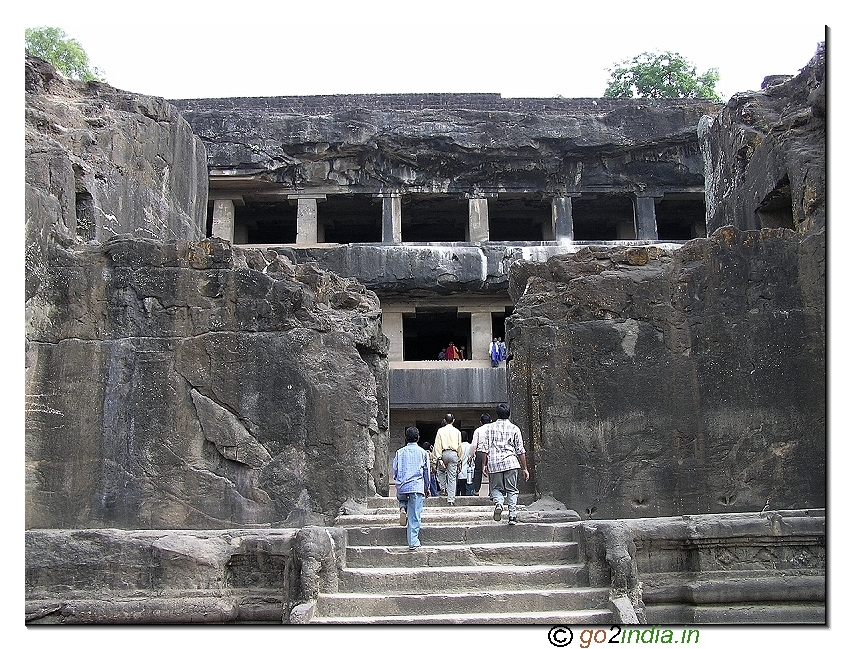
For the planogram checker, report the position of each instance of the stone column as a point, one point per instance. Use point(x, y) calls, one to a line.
point(645, 226)
point(392, 324)
point(562, 217)
point(482, 334)
point(479, 220)
point(391, 224)
point(223, 219)
point(308, 221)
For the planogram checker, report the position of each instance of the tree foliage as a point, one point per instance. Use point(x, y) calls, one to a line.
point(661, 75)
point(53, 45)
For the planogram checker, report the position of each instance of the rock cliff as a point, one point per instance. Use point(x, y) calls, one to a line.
point(765, 162)
point(172, 381)
point(656, 382)
point(452, 143)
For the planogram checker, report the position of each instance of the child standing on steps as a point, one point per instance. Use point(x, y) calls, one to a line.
point(412, 475)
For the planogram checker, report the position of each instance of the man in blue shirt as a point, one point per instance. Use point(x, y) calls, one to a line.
point(412, 477)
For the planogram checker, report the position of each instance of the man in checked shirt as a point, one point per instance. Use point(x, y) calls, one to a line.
point(504, 455)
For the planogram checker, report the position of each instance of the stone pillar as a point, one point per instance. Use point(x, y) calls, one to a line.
point(308, 221)
point(391, 223)
point(562, 217)
point(392, 324)
point(223, 219)
point(479, 220)
point(645, 226)
point(482, 334)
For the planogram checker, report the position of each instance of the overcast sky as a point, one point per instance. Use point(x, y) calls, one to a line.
point(533, 48)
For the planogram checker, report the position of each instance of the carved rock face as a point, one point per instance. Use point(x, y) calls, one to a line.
point(692, 383)
point(173, 382)
point(187, 394)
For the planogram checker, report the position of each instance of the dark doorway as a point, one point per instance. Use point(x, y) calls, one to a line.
point(426, 218)
point(429, 330)
point(427, 432)
point(680, 217)
point(519, 218)
point(265, 223)
point(605, 217)
point(350, 218)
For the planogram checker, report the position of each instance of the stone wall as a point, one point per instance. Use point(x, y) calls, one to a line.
point(183, 385)
point(767, 568)
point(659, 382)
point(159, 577)
point(765, 154)
point(101, 162)
point(172, 381)
point(453, 143)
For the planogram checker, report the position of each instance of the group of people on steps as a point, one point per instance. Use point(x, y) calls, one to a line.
point(496, 450)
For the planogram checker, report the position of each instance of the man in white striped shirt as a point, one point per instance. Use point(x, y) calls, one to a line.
point(504, 455)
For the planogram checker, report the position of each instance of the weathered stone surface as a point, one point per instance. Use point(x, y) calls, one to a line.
point(446, 269)
point(742, 568)
point(452, 143)
point(173, 385)
point(170, 576)
point(101, 161)
point(693, 383)
point(655, 382)
point(766, 157)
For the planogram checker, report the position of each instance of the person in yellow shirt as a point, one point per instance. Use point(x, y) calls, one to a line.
point(447, 447)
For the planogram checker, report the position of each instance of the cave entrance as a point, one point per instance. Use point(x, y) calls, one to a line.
point(680, 217)
point(265, 222)
point(350, 218)
point(776, 210)
point(431, 329)
point(520, 218)
point(428, 218)
point(603, 217)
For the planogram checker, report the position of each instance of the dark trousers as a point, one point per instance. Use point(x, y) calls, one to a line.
point(479, 472)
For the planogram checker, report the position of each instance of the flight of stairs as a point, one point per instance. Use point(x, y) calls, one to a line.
point(470, 569)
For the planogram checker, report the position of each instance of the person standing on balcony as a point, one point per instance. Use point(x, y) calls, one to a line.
point(448, 448)
point(494, 352)
point(504, 455)
point(503, 351)
point(412, 476)
point(452, 352)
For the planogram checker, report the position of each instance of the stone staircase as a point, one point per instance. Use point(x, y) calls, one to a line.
point(470, 569)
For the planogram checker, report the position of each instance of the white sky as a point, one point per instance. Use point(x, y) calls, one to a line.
point(534, 48)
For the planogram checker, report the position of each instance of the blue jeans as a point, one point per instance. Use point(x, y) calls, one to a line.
point(435, 487)
point(503, 484)
point(413, 505)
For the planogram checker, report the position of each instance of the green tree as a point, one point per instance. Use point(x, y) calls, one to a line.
point(661, 75)
point(69, 57)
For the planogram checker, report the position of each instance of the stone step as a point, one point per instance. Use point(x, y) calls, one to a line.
point(478, 601)
point(385, 502)
point(743, 613)
point(456, 514)
point(488, 531)
point(473, 555)
point(548, 618)
point(452, 579)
